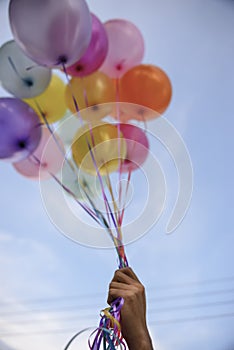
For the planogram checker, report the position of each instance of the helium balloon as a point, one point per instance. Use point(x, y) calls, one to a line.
point(18, 73)
point(95, 53)
point(51, 102)
point(20, 130)
point(67, 128)
point(47, 159)
point(92, 90)
point(147, 86)
point(52, 33)
point(80, 183)
point(100, 147)
point(126, 47)
point(123, 112)
point(137, 146)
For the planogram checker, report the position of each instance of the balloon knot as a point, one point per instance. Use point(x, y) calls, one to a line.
point(119, 66)
point(62, 59)
point(28, 82)
point(22, 144)
point(79, 68)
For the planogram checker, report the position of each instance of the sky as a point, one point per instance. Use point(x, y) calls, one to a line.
point(52, 287)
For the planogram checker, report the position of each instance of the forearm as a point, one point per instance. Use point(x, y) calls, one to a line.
point(141, 341)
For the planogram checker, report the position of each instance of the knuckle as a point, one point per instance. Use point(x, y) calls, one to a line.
point(116, 274)
point(141, 289)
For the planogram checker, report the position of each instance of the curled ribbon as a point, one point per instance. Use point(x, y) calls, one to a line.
point(107, 335)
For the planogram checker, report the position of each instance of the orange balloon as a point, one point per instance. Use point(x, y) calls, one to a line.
point(148, 86)
point(90, 91)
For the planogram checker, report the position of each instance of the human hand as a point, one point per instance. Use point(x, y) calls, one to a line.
point(125, 284)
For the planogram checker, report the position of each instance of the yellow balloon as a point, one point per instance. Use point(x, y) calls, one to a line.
point(51, 102)
point(90, 91)
point(99, 146)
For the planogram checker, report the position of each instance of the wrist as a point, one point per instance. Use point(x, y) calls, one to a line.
point(140, 342)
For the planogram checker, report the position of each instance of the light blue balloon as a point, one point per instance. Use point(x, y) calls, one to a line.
point(80, 183)
point(19, 75)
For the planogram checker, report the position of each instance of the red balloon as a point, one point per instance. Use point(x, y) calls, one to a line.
point(137, 146)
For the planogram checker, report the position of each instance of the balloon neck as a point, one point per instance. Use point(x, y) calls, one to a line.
point(119, 67)
point(22, 144)
point(62, 60)
point(79, 68)
point(28, 82)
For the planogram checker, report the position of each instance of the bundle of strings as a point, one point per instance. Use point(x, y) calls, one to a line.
point(107, 335)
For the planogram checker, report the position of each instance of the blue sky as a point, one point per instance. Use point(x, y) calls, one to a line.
point(49, 283)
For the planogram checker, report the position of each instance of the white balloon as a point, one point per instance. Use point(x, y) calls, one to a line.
point(19, 75)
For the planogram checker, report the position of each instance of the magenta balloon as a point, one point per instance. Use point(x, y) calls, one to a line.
point(20, 130)
point(126, 47)
point(95, 54)
point(137, 146)
point(48, 154)
point(51, 32)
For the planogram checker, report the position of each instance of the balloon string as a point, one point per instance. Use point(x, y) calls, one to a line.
point(87, 209)
point(43, 115)
point(105, 225)
point(116, 224)
point(115, 206)
point(98, 213)
point(84, 92)
point(108, 332)
point(144, 121)
point(98, 172)
point(117, 242)
point(116, 210)
point(95, 213)
point(107, 205)
point(126, 193)
point(90, 149)
point(72, 93)
point(102, 186)
point(108, 209)
point(75, 336)
point(120, 189)
point(109, 186)
point(105, 334)
point(13, 66)
point(79, 115)
point(119, 138)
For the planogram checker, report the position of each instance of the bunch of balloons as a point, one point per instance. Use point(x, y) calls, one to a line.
point(79, 92)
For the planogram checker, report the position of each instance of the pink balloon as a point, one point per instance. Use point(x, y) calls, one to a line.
point(126, 47)
point(51, 32)
point(48, 154)
point(95, 54)
point(137, 146)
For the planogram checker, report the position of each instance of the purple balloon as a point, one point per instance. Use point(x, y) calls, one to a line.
point(20, 130)
point(95, 54)
point(51, 32)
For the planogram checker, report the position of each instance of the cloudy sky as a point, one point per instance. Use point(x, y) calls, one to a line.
point(51, 287)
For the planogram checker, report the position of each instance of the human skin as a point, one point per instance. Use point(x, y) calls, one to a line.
point(134, 329)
